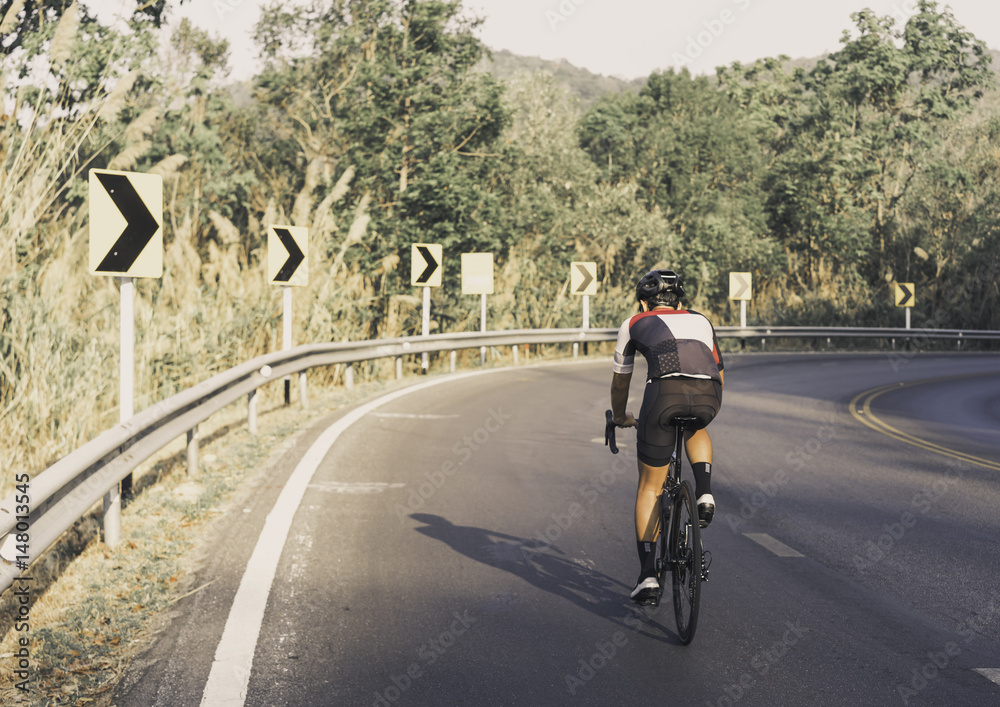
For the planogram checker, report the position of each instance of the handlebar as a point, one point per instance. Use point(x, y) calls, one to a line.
point(609, 432)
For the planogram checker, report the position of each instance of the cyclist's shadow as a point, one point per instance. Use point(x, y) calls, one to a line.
point(546, 567)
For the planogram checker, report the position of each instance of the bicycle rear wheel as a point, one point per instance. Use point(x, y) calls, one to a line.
point(685, 555)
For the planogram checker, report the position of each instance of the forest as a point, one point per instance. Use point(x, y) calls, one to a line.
point(375, 124)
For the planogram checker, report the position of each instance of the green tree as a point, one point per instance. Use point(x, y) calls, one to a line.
point(390, 89)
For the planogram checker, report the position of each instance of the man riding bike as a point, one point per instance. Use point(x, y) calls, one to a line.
point(685, 378)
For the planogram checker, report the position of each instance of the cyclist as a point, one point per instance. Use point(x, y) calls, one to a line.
point(685, 378)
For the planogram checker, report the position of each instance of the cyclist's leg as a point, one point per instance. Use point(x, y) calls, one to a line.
point(705, 402)
point(654, 456)
point(698, 446)
point(651, 480)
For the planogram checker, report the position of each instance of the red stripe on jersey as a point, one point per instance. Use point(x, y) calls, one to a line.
point(654, 312)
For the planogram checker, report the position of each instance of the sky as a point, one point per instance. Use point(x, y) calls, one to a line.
point(632, 38)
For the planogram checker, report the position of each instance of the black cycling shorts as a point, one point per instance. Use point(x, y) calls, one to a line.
point(666, 398)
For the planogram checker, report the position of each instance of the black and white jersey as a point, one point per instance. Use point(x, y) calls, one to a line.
point(674, 342)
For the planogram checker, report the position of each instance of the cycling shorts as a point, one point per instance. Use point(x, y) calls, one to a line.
point(666, 398)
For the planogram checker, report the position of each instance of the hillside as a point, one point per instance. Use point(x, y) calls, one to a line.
point(587, 86)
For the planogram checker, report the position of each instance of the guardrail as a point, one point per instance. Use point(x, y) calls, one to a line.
point(66, 491)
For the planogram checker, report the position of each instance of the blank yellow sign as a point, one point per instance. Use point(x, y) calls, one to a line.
point(477, 273)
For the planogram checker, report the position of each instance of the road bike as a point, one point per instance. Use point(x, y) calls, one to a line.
point(679, 550)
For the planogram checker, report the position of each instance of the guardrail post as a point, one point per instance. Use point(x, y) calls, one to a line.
point(112, 517)
point(303, 393)
point(399, 367)
point(451, 358)
point(514, 349)
point(252, 412)
point(576, 349)
point(959, 343)
point(192, 451)
point(349, 376)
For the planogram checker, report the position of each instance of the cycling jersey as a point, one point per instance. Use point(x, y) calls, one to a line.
point(674, 342)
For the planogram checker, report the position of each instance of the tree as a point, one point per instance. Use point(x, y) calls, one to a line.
point(390, 89)
point(20, 19)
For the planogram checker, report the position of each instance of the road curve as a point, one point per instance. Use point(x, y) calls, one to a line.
point(471, 543)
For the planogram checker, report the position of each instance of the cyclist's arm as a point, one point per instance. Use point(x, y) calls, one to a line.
point(619, 398)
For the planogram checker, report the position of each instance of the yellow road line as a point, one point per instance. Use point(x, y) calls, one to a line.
point(866, 417)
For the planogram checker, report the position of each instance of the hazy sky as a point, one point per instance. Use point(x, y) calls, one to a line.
point(632, 38)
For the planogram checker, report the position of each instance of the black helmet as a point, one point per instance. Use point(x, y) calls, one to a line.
point(659, 282)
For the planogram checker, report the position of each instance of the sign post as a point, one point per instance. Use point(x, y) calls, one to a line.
point(288, 266)
point(477, 279)
point(126, 241)
point(583, 282)
point(426, 272)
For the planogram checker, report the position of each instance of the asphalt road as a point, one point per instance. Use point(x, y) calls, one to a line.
point(472, 544)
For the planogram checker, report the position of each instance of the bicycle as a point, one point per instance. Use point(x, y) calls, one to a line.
point(679, 551)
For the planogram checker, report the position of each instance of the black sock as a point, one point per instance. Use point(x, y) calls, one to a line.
point(647, 557)
point(702, 479)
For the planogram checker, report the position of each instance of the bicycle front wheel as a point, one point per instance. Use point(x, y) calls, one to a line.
point(685, 556)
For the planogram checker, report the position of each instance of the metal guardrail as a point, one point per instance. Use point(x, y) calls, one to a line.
point(66, 491)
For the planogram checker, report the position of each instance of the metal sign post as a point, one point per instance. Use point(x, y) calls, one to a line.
point(425, 328)
point(286, 334)
point(126, 405)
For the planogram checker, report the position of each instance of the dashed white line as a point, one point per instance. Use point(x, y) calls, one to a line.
point(991, 674)
point(776, 546)
point(414, 416)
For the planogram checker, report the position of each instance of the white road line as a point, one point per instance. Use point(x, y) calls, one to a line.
point(776, 546)
point(991, 674)
point(414, 416)
point(230, 674)
point(359, 487)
